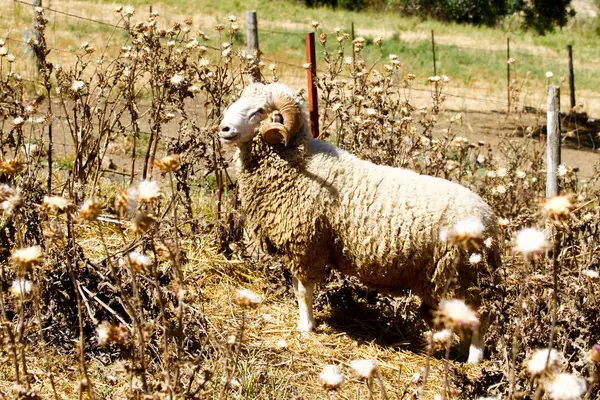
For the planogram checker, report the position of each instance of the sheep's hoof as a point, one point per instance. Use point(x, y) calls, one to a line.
point(305, 328)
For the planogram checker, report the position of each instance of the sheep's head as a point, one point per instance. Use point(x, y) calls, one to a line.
point(255, 104)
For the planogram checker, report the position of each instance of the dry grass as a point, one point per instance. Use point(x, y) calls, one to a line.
point(174, 312)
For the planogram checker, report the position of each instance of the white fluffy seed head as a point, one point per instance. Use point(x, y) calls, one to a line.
point(364, 368)
point(246, 298)
point(558, 207)
point(475, 258)
point(566, 387)
point(539, 361)
point(466, 233)
point(530, 242)
point(591, 274)
point(148, 191)
point(443, 337)
point(138, 261)
point(331, 377)
point(56, 203)
point(21, 287)
point(27, 256)
point(457, 315)
point(76, 86)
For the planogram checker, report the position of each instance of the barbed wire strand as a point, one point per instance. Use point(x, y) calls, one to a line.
point(483, 100)
point(71, 15)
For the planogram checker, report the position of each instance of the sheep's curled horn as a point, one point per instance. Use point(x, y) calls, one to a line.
point(276, 132)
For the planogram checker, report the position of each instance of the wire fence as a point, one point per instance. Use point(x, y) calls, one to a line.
point(492, 101)
point(485, 100)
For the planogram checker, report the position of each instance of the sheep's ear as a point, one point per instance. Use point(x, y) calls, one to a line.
point(252, 79)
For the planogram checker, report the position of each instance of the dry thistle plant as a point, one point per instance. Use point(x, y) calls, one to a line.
point(113, 181)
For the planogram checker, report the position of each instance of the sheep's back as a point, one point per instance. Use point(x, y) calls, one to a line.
point(387, 221)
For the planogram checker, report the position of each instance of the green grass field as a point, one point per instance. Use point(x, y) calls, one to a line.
point(474, 57)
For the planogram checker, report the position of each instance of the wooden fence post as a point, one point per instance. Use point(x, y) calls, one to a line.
point(552, 141)
point(252, 39)
point(313, 100)
point(433, 51)
point(508, 71)
point(571, 77)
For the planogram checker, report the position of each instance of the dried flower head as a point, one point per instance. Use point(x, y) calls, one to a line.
point(108, 334)
point(441, 338)
point(331, 377)
point(466, 233)
point(566, 387)
point(11, 167)
point(281, 344)
point(558, 208)
point(5, 192)
point(539, 361)
point(21, 287)
point(530, 242)
point(168, 163)
point(28, 256)
point(148, 191)
point(246, 298)
point(90, 210)
point(138, 261)
point(475, 258)
point(562, 170)
point(53, 232)
point(591, 274)
point(77, 86)
point(18, 121)
point(594, 354)
point(143, 222)
point(457, 315)
point(12, 204)
point(128, 11)
point(126, 202)
point(177, 79)
point(364, 368)
point(56, 204)
point(549, 74)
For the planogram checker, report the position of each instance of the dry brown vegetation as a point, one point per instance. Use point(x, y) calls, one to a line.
point(120, 281)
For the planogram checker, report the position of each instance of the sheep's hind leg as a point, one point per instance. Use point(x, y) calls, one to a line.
point(304, 295)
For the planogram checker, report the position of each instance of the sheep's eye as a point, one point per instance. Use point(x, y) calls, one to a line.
point(257, 112)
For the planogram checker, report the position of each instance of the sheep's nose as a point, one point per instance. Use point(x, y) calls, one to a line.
point(227, 132)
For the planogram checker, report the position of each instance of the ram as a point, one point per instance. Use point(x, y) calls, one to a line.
point(321, 207)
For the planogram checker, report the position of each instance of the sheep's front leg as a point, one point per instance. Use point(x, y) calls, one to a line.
point(475, 349)
point(304, 294)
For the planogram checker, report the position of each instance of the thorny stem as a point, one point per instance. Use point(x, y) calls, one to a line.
point(234, 357)
point(81, 346)
point(430, 344)
point(138, 328)
point(555, 272)
point(179, 277)
point(165, 323)
point(381, 385)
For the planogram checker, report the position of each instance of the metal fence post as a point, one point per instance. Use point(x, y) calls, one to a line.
point(313, 100)
point(571, 77)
